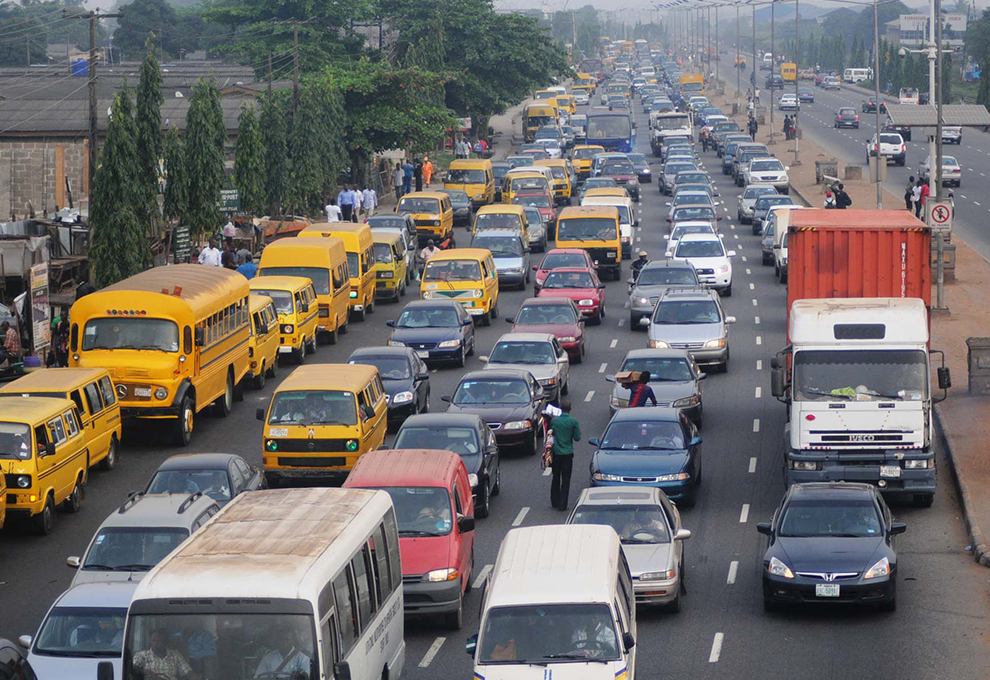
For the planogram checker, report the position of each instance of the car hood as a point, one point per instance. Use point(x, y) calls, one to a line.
point(509, 262)
point(640, 464)
point(424, 553)
point(394, 386)
point(829, 554)
point(45, 666)
point(706, 262)
point(687, 332)
point(655, 290)
point(408, 335)
point(561, 330)
point(662, 390)
point(572, 293)
point(570, 670)
point(648, 557)
point(539, 371)
point(461, 206)
point(93, 576)
point(494, 413)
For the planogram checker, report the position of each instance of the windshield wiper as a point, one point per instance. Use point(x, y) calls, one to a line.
point(133, 567)
point(848, 536)
point(825, 394)
point(576, 657)
point(409, 532)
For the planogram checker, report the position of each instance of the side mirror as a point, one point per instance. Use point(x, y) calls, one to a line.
point(944, 377)
point(628, 641)
point(719, 219)
point(509, 319)
point(390, 324)
point(535, 267)
point(483, 358)
point(667, 203)
point(445, 399)
point(104, 670)
point(763, 528)
point(595, 441)
point(341, 670)
point(695, 441)
point(471, 645)
point(601, 286)
point(644, 321)
point(730, 319)
point(897, 528)
point(787, 167)
point(25, 642)
point(702, 376)
point(368, 412)
point(682, 534)
point(49, 448)
point(467, 322)
point(200, 339)
point(610, 378)
point(778, 382)
point(73, 562)
point(465, 524)
point(260, 414)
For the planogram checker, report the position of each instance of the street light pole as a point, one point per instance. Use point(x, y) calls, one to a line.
point(738, 48)
point(797, 79)
point(773, 60)
point(876, 95)
point(937, 173)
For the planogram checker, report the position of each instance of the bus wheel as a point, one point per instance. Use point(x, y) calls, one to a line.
point(43, 523)
point(183, 426)
point(225, 402)
point(273, 369)
point(110, 461)
point(342, 327)
point(73, 503)
point(299, 355)
point(259, 380)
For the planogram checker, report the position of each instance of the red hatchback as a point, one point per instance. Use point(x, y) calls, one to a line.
point(434, 508)
point(561, 257)
point(543, 202)
point(580, 285)
point(557, 316)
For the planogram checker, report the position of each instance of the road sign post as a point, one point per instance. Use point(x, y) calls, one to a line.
point(939, 217)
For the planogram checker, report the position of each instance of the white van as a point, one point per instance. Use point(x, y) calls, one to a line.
point(627, 218)
point(856, 75)
point(767, 63)
point(313, 570)
point(559, 602)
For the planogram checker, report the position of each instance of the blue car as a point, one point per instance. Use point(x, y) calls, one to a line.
point(438, 330)
point(649, 446)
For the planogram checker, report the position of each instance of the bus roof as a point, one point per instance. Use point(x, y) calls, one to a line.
point(204, 289)
point(403, 467)
point(54, 379)
point(462, 254)
point(258, 301)
point(289, 283)
point(555, 564)
point(31, 410)
point(272, 544)
point(328, 377)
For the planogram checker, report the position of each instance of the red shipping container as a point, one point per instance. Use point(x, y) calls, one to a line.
point(856, 254)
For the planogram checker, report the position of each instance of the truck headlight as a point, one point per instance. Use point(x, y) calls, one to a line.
point(921, 464)
point(807, 465)
point(477, 293)
point(713, 344)
point(161, 393)
point(693, 400)
point(449, 343)
point(778, 568)
point(287, 328)
point(602, 477)
point(439, 575)
point(641, 300)
point(353, 294)
point(23, 481)
point(517, 425)
point(402, 398)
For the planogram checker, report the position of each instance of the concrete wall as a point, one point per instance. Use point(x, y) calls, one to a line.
point(35, 169)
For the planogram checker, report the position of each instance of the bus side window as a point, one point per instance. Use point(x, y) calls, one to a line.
point(41, 435)
point(93, 398)
point(392, 536)
point(71, 422)
point(366, 603)
point(77, 397)
point(331, 648)
point(187, 340)
point(362, 402)
point(346, 610)
point(379, 553)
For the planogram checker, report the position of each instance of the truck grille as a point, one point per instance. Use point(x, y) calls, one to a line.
point(601, 255)
point(311, 462)
point(859, 439)
point(310, 445)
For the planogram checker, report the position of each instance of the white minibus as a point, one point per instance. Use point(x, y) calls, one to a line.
point(856, 75)
point(287, 583)
point(559, 602)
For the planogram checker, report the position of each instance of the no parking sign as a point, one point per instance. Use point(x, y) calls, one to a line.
point(940, 216)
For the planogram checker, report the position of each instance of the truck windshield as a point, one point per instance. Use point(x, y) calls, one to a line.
point(860, 375)
point(672, 122)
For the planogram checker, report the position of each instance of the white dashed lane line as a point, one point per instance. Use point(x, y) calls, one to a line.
point(589, 396)
point(752, 286)
point(744, 514)
point(759, 393)
point(759, 339)
point(752, 465)
point(733, 568)
point(756, 424)
point(716, 648)
point(521, 516)
point(756, 320)
point(613, 344)
point(622, 322)
point(481, 576)
point(432, 652)
point(601, 369)
point(759, 364)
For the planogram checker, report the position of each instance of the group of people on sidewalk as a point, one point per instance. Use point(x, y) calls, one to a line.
point(915, 195)
point(837, 198)
point(240, 260)
point(790, 128)
point(405, 174)
point(463, 148)
point(352, 204)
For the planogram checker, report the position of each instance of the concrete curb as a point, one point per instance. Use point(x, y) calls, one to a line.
point(801, 197)
point(981, 550)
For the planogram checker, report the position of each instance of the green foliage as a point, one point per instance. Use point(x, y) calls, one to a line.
point(306, 175)
point(946, 78)
point(175, 204)
point(30, 25)
point(204, 161)
point(977, 37)
point(119, 247)
point(274, 140)
point(983, 91)
point(249, 163)
point(149, 137)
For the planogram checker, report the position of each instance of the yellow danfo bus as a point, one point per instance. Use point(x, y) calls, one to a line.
point(175, 339)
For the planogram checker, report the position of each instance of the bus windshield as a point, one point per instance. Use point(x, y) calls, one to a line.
point(131, 333)
point(313, 407)
point(462, 176)
point(671, 122)
point(320, 277)
point(587, 229)
point(609, 127)
point(230, 645)
point(281, 298)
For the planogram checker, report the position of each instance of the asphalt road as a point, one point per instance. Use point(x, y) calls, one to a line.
point(972, 204)
point(942, 625)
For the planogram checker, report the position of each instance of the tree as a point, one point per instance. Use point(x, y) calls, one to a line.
point(977, 36)
point(145, 20)
point(175, 205)
point(946, 78)
point(274, 140)
point(204, 161)
point(149, 137)
point(119, 247)
point(249, 163)
point(306, 175)
point(983, 91)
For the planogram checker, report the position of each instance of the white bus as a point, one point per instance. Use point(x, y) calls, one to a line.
point(291, 584)
point(856, 75)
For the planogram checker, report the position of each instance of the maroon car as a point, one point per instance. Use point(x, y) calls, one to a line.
point(560, 257)
point(580, 285)
point(555, 315)
point(624, 173)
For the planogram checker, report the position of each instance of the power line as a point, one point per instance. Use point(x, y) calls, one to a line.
point(41, 111)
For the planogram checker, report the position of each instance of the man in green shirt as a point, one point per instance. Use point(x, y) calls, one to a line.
point(566, 431)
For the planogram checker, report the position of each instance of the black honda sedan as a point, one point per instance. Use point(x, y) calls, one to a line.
point(509, 400)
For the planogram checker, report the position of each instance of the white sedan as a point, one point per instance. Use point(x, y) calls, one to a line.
point(711, 261)
point(788, 102)
point(951, 171)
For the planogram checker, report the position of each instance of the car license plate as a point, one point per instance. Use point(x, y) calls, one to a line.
point(826, 590)
point(890, 471)
point(423, 354)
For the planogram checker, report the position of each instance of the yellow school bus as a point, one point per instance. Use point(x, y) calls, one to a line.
point(175, 339)
point(360, 249)
point(321, 419)
point(324, 262)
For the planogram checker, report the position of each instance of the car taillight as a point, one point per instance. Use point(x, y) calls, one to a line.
point(903, 147)
point(857, 116)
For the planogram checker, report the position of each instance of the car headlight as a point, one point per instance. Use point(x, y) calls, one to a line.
point(386, 275)
point(657, 575)
point(693, 400)
point(918, 464)
point(402, 398)
point(436, 223)
point(646, 171)
point(23, 481)
point(287, 328)
point(617, 402)
point(439, 575)
point(567, 338)
point(881, 568)
point(679, 477)
point(659, 344)
point(548, 382)
point(778, 568)
point(586, 303)
point(161, 393)
point(353, 294)
point(641, 300)
point(602, 477)
point(517, 425)
point(712, 344)
point(449, 343)
point(632, 181)
point(722, 269)
point(396, 343)
point(477, 293)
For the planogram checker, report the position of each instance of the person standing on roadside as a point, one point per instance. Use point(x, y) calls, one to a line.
point(753, 126)
point(370, 201)
point(407, 176)
point(842, 200)
point(916, 197)
point(924, 199)
point(566, 431)
point(333, 211)
point(358, 204)
point(210, 255)
point(418, 174)
point(909, 193)
point(427, 171)
point(398, 177)
point(346, 202)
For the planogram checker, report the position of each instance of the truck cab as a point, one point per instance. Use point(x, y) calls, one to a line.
point(856, 379)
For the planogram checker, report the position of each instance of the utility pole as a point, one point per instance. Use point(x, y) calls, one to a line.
point(754, 61)
point(937, 173)
point(797, 79)
point(738, 48)
point(876, 93)
point(773, 62)
point(269, 72)
point(295, 67)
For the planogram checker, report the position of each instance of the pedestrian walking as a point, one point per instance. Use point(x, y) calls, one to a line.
point(640, 393)
point(358, 204)
point(566, 431)
point(909, 193)
point(916, 198)
point(398, 177)
point(462, 149)
point(842, 200)
point(210, 255)
point(787, 127)
point(228, 258)
point(924, 199)
point(345, 199)
point(829, 200)
point(427, 171)
point(418, 174)
point(249, 268)
point(753, 126)
point(370, 200)
point(756, 96)
point(407, 176)
point(333, 211)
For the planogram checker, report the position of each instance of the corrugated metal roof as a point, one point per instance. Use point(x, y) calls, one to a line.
point(913, 115)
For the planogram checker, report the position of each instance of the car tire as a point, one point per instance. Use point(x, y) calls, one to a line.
point(728, 291)
point(923, 500)
point(756, 229)
point(182, 429)
point(595, 320)
point(783, 276)
point(43, 523)
point(485, 319)
point(564, 389)
point(483, 508)
point(890, 605)
point(109, 462)
point(494, 310)
point(533, 445)
point(579, 357)
point(497, 486)
point(273, 369)
point(73, 502)
point(674, 606)
point(455, 619)
point(299, 355)
point(259, 380)
point(462, 359)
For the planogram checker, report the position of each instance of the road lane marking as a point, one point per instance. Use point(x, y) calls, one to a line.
point(759, 339)
point(754, 302)
point(743, 258)
point(735, 236)
point(752, 286)
point(483, 574)
point(601, 369)
point(521, 516)
point(748, 271)
point(962, 195)
point(589, 396)
point(744, 513)
point(756, 424)
point(976, 202)
point(733, 568)
point(716, 648)
point(756, 320)
point(752, 465)
point(759, 364)
point(614, 343)
point(759, 393)
point(432, 652)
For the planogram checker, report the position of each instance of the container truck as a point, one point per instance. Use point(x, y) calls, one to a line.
point(856, 373)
